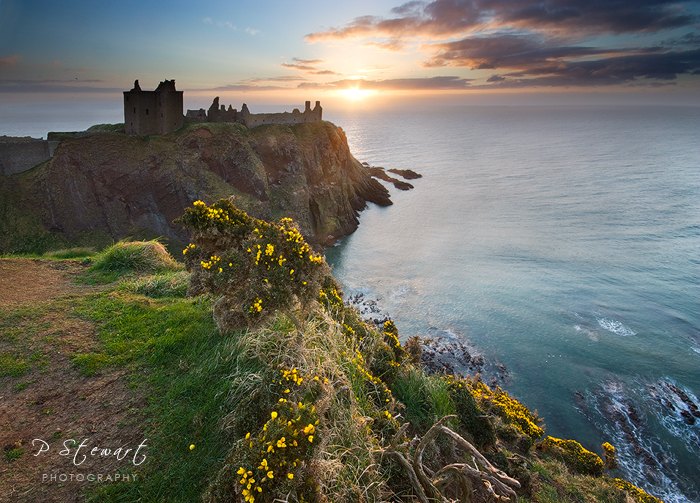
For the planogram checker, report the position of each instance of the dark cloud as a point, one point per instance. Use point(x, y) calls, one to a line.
point(638, 69)
point(446, 18)
point(409, 8)
point(504, 51)
point(526, 56)
point(417, 84)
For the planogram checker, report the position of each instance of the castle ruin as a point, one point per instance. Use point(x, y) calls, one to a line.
point(160, 112)
point(219, 113)
point(153, 112)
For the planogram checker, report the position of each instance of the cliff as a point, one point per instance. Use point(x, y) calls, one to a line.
point(107, 186)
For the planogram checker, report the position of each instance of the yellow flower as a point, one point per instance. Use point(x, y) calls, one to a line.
point(311, 438)
point(274, 414)
point(290, 476)
point(270, 474)
point(191, 446)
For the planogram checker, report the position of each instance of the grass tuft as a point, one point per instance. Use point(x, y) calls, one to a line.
point(127, 257)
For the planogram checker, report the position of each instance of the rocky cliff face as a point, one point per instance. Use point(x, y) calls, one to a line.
point(117, 185)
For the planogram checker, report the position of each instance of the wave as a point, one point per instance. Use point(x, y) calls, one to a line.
point(644, 458)
point(616, 327)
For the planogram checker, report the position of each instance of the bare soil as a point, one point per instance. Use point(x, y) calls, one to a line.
point(48, 412)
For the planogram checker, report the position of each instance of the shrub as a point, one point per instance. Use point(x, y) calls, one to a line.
point(636, 492)
point(573, 454)
point(254, 267)
point(511, 411)
point(471, 417)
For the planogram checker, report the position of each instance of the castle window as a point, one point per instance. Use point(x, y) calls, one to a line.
point(147, 111)
point(134, 109)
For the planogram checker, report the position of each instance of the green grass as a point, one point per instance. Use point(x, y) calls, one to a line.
point(13, 364)
point(175, 353)
point(70, 253)
point(424, 397)
point(164, 284)
point(13, 454)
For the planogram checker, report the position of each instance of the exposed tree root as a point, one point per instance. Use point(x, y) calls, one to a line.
point(476, 481)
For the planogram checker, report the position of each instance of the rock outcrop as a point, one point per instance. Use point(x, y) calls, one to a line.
point(116, 185)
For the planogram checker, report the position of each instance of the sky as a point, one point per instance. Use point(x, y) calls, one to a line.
point(290, 51)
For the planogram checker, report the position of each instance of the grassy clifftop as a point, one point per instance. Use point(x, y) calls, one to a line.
point(334, 411)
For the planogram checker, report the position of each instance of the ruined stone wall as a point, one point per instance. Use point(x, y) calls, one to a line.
point(219, 113)
point(21, 154)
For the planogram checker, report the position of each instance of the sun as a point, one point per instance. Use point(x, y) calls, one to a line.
point(355, 94)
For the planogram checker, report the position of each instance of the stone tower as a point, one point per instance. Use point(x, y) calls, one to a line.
point(153, 112)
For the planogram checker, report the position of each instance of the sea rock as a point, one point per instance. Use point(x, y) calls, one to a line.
point(378, 172)
point(408, 174)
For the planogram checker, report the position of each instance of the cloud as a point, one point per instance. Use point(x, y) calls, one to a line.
point(282, 78)
point(498, 51)
point(54, 86)
point(9, 61)
point(414, 84)
point(207, 20)
point(252, 31)
point(308, 65)
point(543, 62)
point(308, 61)
point(449, 18)
point(392, 45)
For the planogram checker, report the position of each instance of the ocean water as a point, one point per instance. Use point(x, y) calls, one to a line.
point(561, 242)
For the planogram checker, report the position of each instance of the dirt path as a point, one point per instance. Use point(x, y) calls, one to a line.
point(48, 408)
point(24, 280)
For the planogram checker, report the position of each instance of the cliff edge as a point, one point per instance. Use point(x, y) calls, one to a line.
point(107, 186)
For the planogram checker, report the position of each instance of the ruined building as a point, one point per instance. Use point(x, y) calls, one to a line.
point(153, 112)
point(160, 112)
point(219, 113)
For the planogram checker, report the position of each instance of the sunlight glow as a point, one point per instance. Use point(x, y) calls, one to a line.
point(355, 94)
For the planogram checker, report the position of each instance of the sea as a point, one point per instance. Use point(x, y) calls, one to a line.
point(561, 243)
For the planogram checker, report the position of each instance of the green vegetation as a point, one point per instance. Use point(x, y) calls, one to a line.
point(307, 404)
point(131, 257)
point(112, 128)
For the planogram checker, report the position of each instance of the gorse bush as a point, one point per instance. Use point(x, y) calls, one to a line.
point(254, 267)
